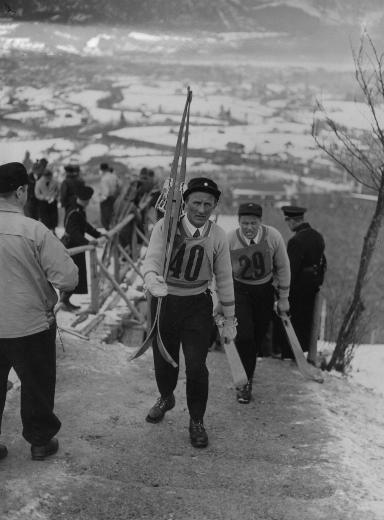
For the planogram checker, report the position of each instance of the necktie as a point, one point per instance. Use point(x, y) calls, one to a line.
point(196, 234)
point(252, 242)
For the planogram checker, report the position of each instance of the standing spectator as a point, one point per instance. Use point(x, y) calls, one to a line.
point(70, 185)
point(27, 161)
point(32, 260)
point(31, 208)
point(109, 189)
point(76, 226)
point(308, 265)
point(200, 253)
point(47, 192)
point(259, 257)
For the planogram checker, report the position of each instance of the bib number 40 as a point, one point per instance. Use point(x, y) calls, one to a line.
point(192, 265)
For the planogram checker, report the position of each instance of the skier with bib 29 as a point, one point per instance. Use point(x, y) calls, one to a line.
point(259, 257)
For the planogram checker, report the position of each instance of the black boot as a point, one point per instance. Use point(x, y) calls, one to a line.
point(66, 305)
point(162, 405)
point(244, 393)
point(197, 434)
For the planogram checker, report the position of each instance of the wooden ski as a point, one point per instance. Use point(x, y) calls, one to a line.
point(173, 199)
point(238, 373)
point(307, 370)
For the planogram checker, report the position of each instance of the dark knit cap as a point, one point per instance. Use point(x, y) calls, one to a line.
point(84, 192)
point(293, 211)
point(250, 208)
point(202, 184)
point(12, 175)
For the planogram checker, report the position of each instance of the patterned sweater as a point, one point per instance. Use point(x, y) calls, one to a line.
point(280, 261)
point(217, 251)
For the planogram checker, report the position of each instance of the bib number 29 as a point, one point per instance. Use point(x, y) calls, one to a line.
point(193, 265)
point(252, 269)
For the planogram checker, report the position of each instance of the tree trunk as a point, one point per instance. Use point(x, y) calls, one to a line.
point(347, 332)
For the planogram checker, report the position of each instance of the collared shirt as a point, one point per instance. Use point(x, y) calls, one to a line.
point(32, 261)
point(256, 239)
point(191, 228)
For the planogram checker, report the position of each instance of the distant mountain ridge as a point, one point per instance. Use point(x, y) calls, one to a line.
point(219, 15)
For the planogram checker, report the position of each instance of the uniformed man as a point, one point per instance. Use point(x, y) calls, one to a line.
point(259, 258)
point(308, 265)
point(70, 185)
point(200, 252)
point(32, 260)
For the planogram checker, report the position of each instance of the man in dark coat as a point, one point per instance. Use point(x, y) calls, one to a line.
point(76, 226)
point(31, 208)
point(308, 264)
point(70, 185)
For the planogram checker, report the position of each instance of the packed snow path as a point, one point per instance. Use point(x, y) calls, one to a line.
point(299, 450)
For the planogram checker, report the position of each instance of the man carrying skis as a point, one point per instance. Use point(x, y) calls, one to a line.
point(259, 257)
point(200, 251)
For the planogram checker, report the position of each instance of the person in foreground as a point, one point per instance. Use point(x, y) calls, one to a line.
point(259, 257)
point(200, 252)
point(32, 261)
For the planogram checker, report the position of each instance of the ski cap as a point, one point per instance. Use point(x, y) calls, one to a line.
point(202, 184)
point(293, 211)
point(250, 208)
point(12, 175)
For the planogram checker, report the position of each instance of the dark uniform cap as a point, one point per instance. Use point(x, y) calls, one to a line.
point(84, 192)
point(250, 208)
point(293, 211)
point(202, 184)
point(104, 167)
point(12, 175)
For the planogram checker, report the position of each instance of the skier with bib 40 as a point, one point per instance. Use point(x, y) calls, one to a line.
point(200, 251)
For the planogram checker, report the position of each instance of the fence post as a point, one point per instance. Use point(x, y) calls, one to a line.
point(115, 256)
point(94, 306)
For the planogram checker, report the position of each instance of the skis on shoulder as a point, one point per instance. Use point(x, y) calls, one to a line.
point(170, 203)
point(307, 370)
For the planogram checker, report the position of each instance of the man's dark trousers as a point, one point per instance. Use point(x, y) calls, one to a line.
point(34, 360)
point(186, 320)
point(254, 309)
point(106, 212)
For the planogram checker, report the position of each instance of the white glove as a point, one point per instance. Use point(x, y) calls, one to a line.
point(227, 327)
point(156, 284)
point(282, 305)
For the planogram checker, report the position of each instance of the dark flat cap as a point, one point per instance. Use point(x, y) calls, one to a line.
point(202, 184)
point(12, 175)
point(84, 192)
point(250, 208)
point(293, 211)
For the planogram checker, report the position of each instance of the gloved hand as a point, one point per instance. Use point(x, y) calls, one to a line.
point(156, 284)
point(228, 330)
point(282, 305)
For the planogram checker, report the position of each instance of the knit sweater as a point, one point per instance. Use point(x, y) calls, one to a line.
point(217, 250)
point(280, 262)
